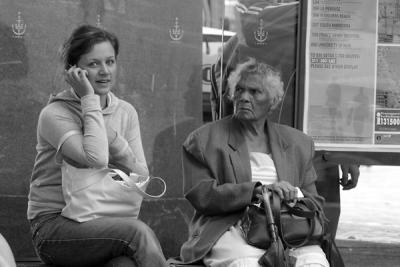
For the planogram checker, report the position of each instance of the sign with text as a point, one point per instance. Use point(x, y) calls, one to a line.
point(352, 100)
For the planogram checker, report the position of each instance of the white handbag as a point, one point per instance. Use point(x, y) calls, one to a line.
point(91, 193)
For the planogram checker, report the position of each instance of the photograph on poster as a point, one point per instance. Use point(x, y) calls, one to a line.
point(389, 22)
point(351, 96)
point(387, 113)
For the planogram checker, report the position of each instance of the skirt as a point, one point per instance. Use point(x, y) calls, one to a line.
point(232, 250)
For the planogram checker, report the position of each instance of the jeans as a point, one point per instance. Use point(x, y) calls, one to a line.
point(108, 241)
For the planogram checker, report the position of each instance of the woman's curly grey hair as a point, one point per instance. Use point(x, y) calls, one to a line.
point(271, 78)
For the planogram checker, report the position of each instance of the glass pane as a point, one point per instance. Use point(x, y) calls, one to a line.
point(174, 58)
point(350, 72)
point(265, 30)
point(159, 67)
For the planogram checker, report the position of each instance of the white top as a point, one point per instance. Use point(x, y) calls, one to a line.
point(262, 168)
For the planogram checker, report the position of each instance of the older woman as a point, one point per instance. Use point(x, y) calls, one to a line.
point(88, 126)
point(226, 162)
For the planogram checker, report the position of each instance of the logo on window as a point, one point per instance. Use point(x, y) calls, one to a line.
point(98, 21)
point(176, 31)
point(260, 34)
point(19, 28)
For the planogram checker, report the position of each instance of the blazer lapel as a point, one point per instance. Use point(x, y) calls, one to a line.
point(280, 153)
point(238, 153)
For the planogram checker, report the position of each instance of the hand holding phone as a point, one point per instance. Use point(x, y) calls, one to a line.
point(78, 79)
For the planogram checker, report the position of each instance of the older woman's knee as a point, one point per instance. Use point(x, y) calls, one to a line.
point(309, 256)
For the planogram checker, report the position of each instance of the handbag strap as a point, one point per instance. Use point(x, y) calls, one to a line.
point(309, 215)
point(142, 192)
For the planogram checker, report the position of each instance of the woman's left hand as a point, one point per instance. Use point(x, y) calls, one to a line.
point(284, 190)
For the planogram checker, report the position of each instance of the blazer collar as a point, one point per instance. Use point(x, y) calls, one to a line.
point(276, 141)
point(239, 154)
point(279, 151)
point(235, 139)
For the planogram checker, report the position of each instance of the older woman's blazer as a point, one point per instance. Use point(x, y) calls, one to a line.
point(217, 176)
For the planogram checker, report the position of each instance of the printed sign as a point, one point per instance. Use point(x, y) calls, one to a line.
point(352, 100)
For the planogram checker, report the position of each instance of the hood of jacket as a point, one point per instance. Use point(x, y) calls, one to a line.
point(69, 97)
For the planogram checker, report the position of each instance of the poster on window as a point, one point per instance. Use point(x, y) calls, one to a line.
point(352, 77)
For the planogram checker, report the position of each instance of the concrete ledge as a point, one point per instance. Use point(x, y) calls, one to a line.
point(31, 264)
point(355, 254)
point(364, 254)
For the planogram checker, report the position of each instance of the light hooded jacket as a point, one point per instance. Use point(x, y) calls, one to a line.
point(217, 177)
point(111, 135)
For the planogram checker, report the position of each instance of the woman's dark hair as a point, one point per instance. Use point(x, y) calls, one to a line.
point(82, 41)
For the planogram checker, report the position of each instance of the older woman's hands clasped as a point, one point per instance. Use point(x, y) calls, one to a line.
point(284, 189)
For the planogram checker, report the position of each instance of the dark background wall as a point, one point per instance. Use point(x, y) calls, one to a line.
point(159, 75)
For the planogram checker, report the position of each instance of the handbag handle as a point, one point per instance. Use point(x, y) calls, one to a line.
point(142, 192)
point(309, 215)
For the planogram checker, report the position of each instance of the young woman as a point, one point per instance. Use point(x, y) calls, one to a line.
point(88, 126)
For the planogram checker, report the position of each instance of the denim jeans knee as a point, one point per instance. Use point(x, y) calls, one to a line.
point(64, 242)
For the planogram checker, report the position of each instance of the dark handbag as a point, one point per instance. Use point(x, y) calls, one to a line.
point(302, 224)
point(253, 227)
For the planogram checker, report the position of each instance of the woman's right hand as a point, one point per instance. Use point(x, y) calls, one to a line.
point(284, 190)
point(77, 78)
